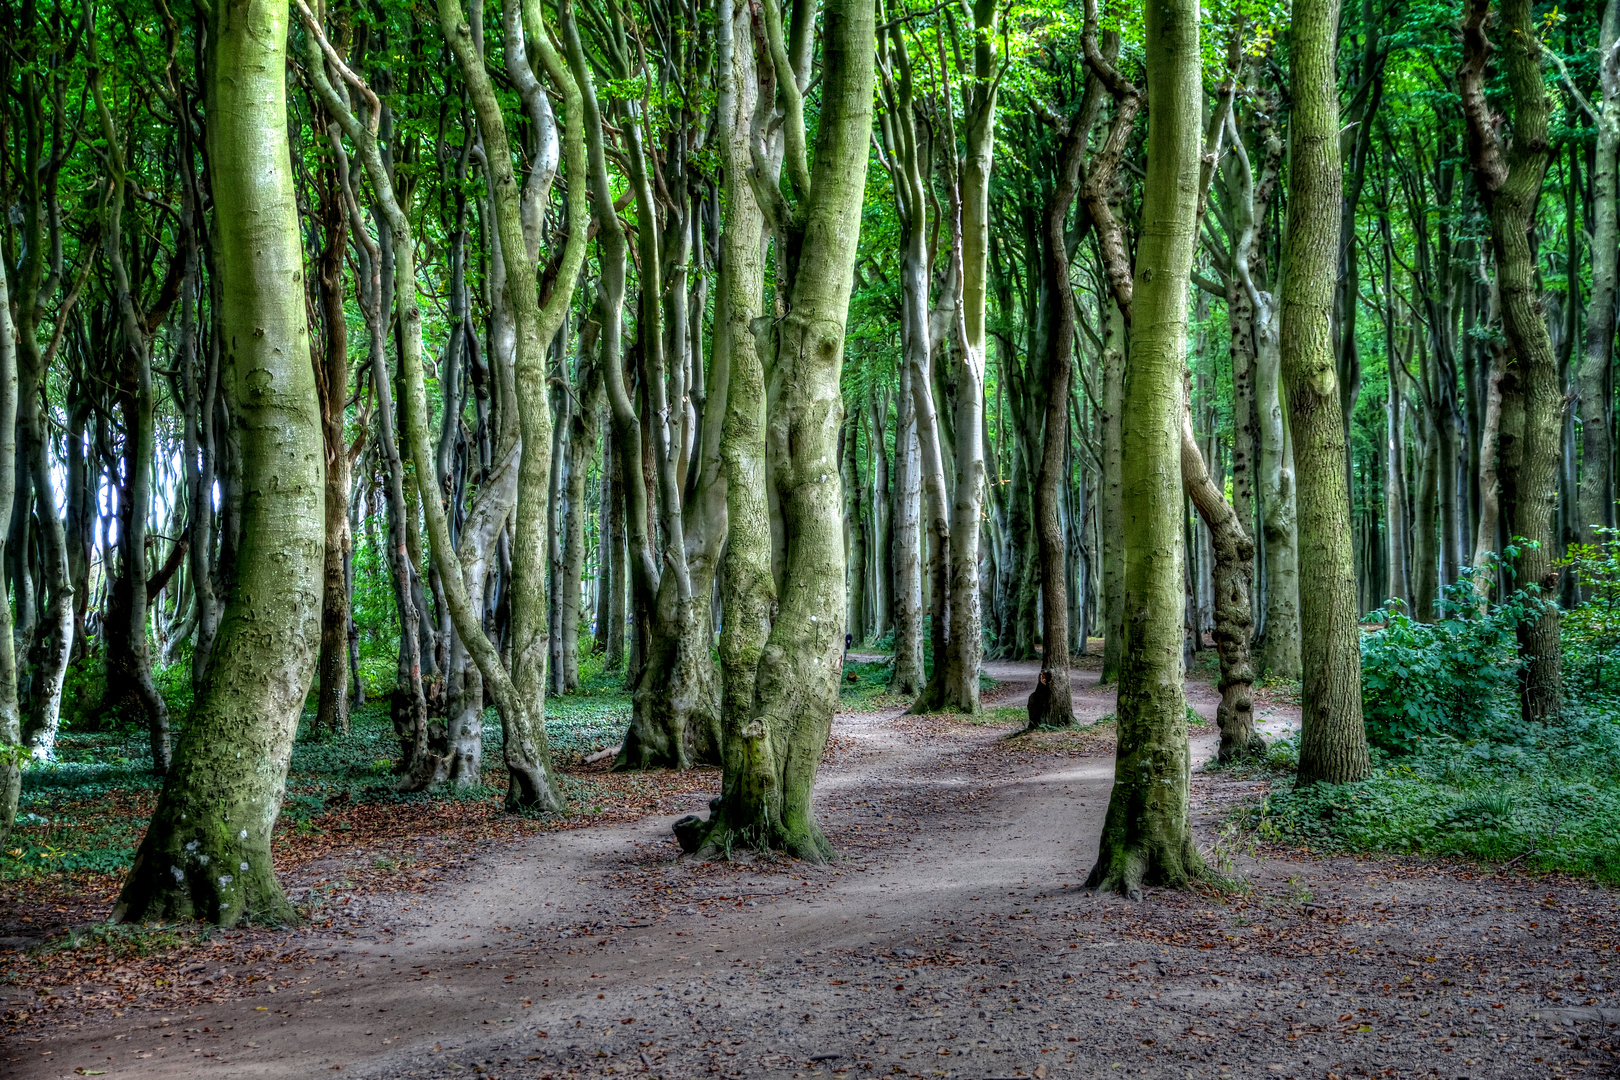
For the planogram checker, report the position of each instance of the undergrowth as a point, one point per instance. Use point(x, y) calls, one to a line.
point(1545, 799)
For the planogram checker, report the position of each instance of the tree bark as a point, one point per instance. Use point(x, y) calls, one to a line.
point(1596, 496)
point(1233, 573)
point(332, 383)
point(1279, 645)
point(796, 683)
point(206, 854)
point(908, 677)
point(12, 749)
point(1333, 740)
point(1510, 187)
point(1147, 837)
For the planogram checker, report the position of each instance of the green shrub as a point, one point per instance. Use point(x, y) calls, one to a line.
point(1590, 633)
point(1545, 797)
point(1450, 677)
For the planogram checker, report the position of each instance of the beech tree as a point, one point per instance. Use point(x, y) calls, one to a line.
point(206, 854)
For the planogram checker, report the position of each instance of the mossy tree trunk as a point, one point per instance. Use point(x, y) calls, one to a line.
point(206, 853)
point(1333, 740)
point(768, 804)
point(1509, 180)
point(1147, 838)
point(1233, 574)
point(332, 380)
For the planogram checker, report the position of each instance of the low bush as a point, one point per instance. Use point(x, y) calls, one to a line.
point(1452, 677)
point(1547, 798)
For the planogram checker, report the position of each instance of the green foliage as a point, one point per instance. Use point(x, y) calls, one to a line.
point(1591, 630)
point(1545, 798)
point(82, 691)
point(1451, 677)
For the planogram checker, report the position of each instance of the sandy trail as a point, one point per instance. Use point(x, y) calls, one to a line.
point(952, 940)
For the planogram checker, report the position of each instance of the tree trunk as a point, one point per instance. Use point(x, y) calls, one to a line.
point(1113, 497)
point(1510, 187)
point(1233, 573)
point(45, 664)
point(966, 646)
point(206, 853)
point(854, 532)
point(1052, 482)
point(581, 448)
point(332, 382)
point(521, 694)
point(796, 685)
point(882, 583)
point(12, 748)
point(1596, 501)
point(1147, 837)
point(1395, 587)
point(1333, 740)
point(1279, 641)
point(908, 678)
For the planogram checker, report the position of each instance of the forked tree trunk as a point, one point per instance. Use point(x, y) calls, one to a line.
point(1147, 837)
point(769, 804)
point(749, 781)
point(520, 694)
point(966, 646)
point(206, 853)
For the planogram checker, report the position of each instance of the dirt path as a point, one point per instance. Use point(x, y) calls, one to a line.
point(952, 940)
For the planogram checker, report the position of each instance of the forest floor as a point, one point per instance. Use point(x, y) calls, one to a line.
point(953, 939)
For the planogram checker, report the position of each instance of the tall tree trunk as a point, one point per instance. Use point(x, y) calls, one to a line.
point(882, 567)
point(908, 678)
point(37, 280)
point(749, 794)
point(1596, 500)
point(12, 748)
point(131, 691)
point(1510, 187)
point(1395, 587)
point(1333, 740)
point(1113, 497)
point(519, 696)
point(1052, 482)
point(1147, 837)
point(332, 382)
point(966, 646)
point(1279, 645)
point(796, 685)
point(1425, 557)
point(583, 424)
point(206, 853)
point(855, 553)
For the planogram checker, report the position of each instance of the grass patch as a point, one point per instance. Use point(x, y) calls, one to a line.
point(82, 815)
point(1546, 799)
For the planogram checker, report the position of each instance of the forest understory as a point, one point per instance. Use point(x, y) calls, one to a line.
point(952, 938)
